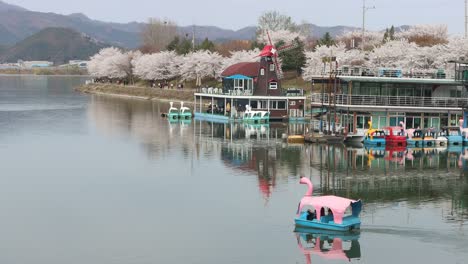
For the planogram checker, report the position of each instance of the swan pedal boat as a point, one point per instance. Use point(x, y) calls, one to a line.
point(338, 205)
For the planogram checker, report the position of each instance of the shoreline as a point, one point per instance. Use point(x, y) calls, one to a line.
point(138, 92)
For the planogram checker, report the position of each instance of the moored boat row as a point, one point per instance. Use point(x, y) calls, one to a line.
point(430, 137)
point(184, 113)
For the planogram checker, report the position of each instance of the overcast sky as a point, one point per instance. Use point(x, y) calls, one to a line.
point(235, 14)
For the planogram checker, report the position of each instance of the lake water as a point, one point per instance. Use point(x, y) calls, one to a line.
point(93, 179)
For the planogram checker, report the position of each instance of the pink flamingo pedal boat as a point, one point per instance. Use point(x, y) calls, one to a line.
point(336, 219)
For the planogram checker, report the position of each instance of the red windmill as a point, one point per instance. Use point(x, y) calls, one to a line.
point(271, 51)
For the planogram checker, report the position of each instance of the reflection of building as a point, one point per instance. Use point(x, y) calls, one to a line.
point(253, 149)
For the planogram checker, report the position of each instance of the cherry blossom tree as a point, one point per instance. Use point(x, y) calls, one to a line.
point(240, 56)
point(283, 36)
point(317, 64)
point(353, 39)
point(201, 64)
point(425, 35)
point(158, 66)
point(112, 63)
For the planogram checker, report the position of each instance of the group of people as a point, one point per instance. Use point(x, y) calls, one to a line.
point(167, 85)
point(311, 215)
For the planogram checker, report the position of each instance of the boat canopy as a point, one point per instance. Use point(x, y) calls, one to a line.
point(238, 77)
point(395, 129)
point(336, 204)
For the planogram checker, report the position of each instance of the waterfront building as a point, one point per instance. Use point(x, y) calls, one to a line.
point(34, 64)
point(388, 97)
point(254, 84)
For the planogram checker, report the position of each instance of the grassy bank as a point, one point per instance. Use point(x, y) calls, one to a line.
point(185, 95)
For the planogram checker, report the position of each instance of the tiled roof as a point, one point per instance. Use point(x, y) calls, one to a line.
point(249, 69)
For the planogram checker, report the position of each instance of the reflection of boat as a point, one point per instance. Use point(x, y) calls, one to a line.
point(344, 246)
point(257, 130)
point(354, 145)
point(335, 219)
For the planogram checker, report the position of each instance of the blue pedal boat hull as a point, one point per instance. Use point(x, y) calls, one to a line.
point(326, 223)
point(374, 142)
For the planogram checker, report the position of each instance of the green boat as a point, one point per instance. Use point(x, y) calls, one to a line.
point(185, 113)
point(173, 113)
point(256, 117)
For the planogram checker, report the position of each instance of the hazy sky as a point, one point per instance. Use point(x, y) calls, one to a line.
point(240, 13)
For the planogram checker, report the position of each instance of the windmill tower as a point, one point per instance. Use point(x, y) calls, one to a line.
point(270, 74)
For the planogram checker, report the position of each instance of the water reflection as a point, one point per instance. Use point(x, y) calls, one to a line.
point(330, 246)
point(376, 175)
point(255, 149)
point(100, 168)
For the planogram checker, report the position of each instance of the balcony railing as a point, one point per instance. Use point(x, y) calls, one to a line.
point(403, 101)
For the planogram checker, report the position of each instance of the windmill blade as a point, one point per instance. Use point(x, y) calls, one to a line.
point(269, 38)
point(288, 47)
point(278, 69)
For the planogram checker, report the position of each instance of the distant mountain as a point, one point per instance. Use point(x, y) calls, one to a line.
point(17, 23)
point(54, 44)
point(218, 34)
point(8, 7)
point(318, 31)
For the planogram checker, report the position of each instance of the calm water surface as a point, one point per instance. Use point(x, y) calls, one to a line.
point(90, 179)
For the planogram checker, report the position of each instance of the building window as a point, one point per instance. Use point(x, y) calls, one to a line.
point(273, 85)
point(239, 84)
point(277, 105)
point(254, 104)
point(272, 67)
point(262, 71)
point(281, 104)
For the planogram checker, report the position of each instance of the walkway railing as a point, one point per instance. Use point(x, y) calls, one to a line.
point(371, 100)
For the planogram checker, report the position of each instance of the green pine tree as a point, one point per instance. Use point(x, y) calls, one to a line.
point(207, 45)
point(326, 40)
point(391, 33)
point(293, 59)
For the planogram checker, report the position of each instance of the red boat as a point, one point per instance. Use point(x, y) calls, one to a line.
point(395, 136)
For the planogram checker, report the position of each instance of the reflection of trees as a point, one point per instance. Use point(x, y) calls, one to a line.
point(141, 120)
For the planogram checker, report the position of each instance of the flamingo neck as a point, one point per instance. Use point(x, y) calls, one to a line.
point(310, 189)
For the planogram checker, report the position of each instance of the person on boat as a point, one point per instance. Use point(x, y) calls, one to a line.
point(228, 108)
point(330, 212)
point(322, 212)
point(311, 215)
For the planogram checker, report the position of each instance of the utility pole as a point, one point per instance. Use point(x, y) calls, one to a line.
point(466, 18)
point(193, 37)
point(364, 10)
